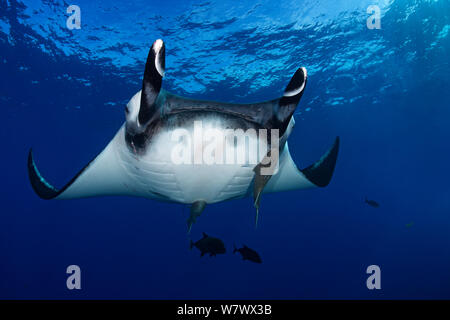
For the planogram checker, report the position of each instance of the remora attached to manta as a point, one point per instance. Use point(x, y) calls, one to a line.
point(138, 161)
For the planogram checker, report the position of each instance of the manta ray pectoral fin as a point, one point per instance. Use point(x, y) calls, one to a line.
point(196, 210)
point(152, 82)
point(321, 171)
point(42, 188)
point(102, 176)
point(289, 177)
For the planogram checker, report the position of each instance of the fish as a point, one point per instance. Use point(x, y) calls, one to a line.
point(248, 254)
point(163, 150)
point(208, 244)
point(372, 203)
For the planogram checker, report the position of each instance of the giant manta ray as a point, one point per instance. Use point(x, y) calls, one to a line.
point(139, 159)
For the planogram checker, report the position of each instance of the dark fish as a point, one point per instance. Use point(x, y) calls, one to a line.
point(248, 254)
point(210, 245)
point(372, 203)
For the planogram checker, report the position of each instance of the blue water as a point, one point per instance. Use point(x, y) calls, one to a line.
point(384, 92)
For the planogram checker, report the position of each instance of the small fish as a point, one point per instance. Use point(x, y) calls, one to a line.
point(372, 203)
point(409, 225)
point(248, 254)
point(210, 245)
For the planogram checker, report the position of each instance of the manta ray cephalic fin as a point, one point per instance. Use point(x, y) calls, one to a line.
point(152, 82)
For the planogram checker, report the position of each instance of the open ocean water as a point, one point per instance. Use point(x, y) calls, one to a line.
point(385, 92)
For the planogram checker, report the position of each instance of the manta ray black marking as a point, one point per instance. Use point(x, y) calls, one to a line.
point(137, 162)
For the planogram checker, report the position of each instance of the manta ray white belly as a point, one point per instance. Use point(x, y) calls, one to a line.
point(156, 174)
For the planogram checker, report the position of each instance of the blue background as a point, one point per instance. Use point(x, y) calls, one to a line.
point(384, 92)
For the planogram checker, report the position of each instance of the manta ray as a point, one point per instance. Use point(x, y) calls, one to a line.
point(139, 160)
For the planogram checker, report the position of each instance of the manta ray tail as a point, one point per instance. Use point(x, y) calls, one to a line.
point(257, 216)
